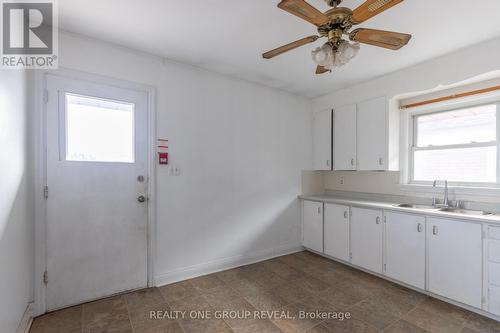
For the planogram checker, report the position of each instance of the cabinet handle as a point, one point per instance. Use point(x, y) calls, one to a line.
point(381, 161)
point(319, 210)
point(419, 227)
point(345, 214)
point(327, 162)
point(352, 161)
point(378, 220)
point(434, 230)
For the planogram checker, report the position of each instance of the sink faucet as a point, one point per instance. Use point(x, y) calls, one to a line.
point(445, 199)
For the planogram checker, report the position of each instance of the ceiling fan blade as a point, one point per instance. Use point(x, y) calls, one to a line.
point(304, 10)
point(322, 70)
point(371, 8)
point(288, 47)
point(387, 39)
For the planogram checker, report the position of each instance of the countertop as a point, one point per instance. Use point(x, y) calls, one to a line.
point(492, 219)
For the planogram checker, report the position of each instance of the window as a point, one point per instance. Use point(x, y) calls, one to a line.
point(460, 146)
point(99, 130)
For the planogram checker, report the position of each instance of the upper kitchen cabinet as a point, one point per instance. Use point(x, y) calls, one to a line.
point(377, 136)
point(322, 140)
point(345, 137)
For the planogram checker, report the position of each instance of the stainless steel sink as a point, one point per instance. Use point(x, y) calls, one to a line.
point(415, 206)
point(464, 211)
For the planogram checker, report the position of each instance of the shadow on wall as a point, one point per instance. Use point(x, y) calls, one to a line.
point(16, 257)
point(261, 228)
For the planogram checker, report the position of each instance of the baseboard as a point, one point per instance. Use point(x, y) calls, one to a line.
point(224, 264)
point(26, 320)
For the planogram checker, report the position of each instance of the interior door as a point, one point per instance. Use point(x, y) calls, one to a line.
point(345, 137)
point(455, 260)
point(312, 225)
point(97, 162)
point(372, 134)
point(322, 140)
point(405, 248)
point(367, 238)
point(336, 231)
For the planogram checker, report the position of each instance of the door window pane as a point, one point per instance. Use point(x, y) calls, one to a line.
point(475, 124)
point(477, 165)
point(99, 130)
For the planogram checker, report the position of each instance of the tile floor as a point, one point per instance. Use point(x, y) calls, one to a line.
point(298, 282)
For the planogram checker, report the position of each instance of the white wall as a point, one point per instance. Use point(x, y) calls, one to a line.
point(16, 228)
point(241, 148)
point(449, 69)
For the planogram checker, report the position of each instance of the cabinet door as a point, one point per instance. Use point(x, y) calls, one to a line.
point(345, 138)
point(336, 231)
point(405, 248)
point(322, 140)
point(372, 135)
point(494, 299)
point(366, 238)
point(455, 260)
point(312, 225)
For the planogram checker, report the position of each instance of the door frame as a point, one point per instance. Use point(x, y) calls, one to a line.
point(38, 151)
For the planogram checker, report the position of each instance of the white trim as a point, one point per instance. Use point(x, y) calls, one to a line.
point(26, 320)
point(39, 131)
point(224, 264)
point(39, 138)
point(453, 190)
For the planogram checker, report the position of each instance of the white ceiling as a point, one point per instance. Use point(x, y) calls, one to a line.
point(228, 36)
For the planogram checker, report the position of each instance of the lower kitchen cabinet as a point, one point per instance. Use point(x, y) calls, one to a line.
point(336, 231)
point(312, 225)
point(492, 269)
point(367, 238)
point(405, 248)
point(455, 260)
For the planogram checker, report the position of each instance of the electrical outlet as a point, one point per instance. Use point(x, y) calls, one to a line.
point(175, 170)
point(342, 181)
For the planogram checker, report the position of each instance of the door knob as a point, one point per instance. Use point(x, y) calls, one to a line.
point(141, 198)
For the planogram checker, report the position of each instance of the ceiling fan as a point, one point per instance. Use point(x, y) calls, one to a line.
point(334, 24)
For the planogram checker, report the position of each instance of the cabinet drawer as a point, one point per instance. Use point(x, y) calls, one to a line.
point(494, 250)
point(494, 299)
point(494, 273)
point(494, 232)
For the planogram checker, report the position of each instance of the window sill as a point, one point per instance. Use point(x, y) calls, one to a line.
point(459, 190)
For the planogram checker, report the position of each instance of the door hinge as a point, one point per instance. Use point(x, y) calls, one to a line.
point(45, 277)
point(46, 192)
point(46, 96)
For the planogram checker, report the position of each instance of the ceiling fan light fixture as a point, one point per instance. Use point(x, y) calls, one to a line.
point(348, 51)
point(328, 58)
point(323, 55)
